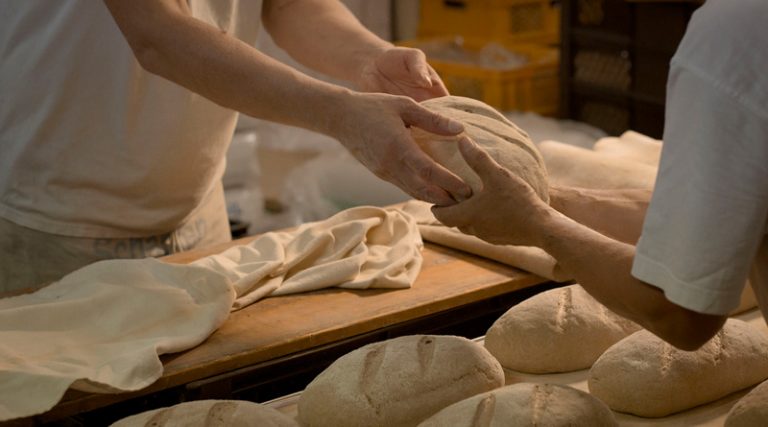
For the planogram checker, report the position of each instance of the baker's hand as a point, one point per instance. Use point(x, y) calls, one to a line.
point(374, 128)
point(401, 71)
point(506, 211)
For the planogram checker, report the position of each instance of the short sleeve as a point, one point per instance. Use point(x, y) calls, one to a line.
point(709, 208)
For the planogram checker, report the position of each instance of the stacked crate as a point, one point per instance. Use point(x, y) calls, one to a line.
point(615, 61)
point(527, 29)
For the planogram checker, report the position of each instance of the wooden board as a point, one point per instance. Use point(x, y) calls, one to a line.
point(280, 326)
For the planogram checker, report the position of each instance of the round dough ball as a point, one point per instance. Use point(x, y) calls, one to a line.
point(524, 405)
point(509, 145)
point(210, 413)
point(751, 410)
point(399, 382)
point(559, 330)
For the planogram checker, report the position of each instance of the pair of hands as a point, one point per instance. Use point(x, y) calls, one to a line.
point(376, 132)
point(375, 124)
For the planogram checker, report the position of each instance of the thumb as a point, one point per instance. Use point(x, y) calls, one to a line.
point(421, 117)
point(478, 159)
point(448, 215)
point(416, 64)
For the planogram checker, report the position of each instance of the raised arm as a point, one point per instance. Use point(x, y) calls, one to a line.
point(169, 42)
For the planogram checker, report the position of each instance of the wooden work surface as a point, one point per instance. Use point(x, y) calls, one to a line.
point(279, 326)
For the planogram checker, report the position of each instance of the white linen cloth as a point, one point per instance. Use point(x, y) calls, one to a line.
point(358, 248)
point(102, 328)
point(527, 258)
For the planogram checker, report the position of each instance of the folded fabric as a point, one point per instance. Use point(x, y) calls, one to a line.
point(102, 328)
point(357, 248)
point(528, 258)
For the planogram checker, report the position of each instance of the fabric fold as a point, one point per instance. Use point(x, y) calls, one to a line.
point(527, 258)
point(102, 328)
point(357, 248)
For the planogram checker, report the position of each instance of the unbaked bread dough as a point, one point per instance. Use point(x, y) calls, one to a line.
point(559, 330)
point(210, 413)
point(751, 410)
point(509, 145)
point(399, 382)
point(579, 167)
point(645, 376)
point(631, 146)
point(525, 405)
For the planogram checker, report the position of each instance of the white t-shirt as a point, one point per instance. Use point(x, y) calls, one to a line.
point(91, 144)
point(707, 218)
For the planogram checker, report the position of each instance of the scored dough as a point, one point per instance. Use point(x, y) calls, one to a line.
point(526, 404)
point(751, 410)
point(559, 330)
point(645, 376)
point(210, 413)
point(503, 140)
point(399, 382)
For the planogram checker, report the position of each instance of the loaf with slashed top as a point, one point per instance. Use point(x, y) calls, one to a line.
point(210, 413)
point(559, 330)
point(645, 376)
point(526, 404)
point(399, 382)
point(504, 141)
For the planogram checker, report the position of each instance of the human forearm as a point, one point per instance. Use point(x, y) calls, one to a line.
point(616, 213)
point(224, 69)
point(508, 211)
point(323, 35)
point(169, 42)
point(603, 265)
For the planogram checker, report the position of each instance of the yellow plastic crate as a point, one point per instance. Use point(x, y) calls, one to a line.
point(532, 86)
point(514, 20)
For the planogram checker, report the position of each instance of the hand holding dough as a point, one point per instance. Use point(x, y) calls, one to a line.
point(506, 143)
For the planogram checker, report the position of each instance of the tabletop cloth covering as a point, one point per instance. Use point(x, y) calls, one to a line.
point(102, 328)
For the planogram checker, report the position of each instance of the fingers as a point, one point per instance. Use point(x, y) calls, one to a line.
point(450, 215)
point(428, 173)
point(416, 115)
point(478, 159)
point(438, 88)
point(416, 64)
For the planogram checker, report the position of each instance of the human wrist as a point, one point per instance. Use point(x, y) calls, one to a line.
point(549, 228)
point(365, 61)
point(336, 109)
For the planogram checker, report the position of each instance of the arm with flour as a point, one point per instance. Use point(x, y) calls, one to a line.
point(169, 42)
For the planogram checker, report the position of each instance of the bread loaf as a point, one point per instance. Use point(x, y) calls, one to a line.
point(751, 410)
point(526, 405)
point(506, 143)
point(399, 382)
point(559, 330)
point(645, 376)
point(210, 413)
point(579, 167)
